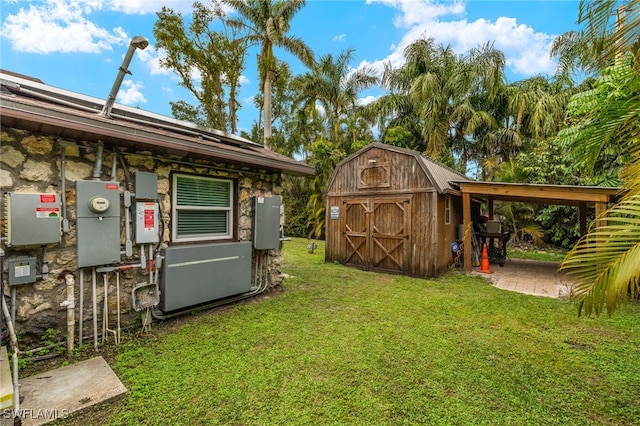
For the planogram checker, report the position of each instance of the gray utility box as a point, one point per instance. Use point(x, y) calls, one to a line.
point(32, 219)
point(196, 274)
point(146, 185)
point(146, 222)
point(266, 222)
point(22, 270)
point(97, 222)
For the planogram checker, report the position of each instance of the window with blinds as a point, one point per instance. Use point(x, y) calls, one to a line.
point(202, 208)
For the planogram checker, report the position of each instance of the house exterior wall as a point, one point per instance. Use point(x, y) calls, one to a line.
point(400, 178)
point(31, 163)
point(447, 232)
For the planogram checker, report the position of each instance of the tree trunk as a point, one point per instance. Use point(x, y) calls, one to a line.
point(267, 108)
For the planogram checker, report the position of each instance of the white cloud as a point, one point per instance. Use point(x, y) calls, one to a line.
point(143, 7)
point(151, 58)
point(244, 80)
point(366, 100)
point(65, 25)
point(340, 37)
point(130, 94)
point(526, 50)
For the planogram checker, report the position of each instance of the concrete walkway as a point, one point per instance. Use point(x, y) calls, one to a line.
point(535, 277)
point(65, 390)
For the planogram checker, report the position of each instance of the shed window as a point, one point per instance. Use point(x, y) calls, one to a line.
point(202, 208)
point(447, 210)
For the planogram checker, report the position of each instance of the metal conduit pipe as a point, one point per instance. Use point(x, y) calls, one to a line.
point(95, 308)
point(114, 165)
point(105, 311)
point(118, 305)
point(14, 302)
point(137, 42)
point(63, 186)
point(14, 356)
point(97, 166)
point(80, 309)
point(70, 305)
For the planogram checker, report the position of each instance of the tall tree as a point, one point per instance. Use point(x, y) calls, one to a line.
point(209, 58)
point(331, 85)
point(266, 24)
point(605, 262)
point(330, 90)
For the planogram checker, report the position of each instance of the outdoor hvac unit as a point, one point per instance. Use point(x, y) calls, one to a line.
point(197, 274)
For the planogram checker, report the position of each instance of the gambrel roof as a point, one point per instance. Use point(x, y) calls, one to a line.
point(441, 176)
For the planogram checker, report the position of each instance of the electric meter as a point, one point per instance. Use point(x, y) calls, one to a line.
point(99, 204)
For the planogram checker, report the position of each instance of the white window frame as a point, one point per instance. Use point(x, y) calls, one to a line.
point(447, 210)
point(204, 236)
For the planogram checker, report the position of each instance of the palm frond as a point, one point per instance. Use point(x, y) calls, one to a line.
point(605, 263)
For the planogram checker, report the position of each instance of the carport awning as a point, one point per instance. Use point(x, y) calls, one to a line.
point(581, 196)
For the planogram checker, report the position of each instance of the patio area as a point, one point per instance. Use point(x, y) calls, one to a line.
point(534, 277)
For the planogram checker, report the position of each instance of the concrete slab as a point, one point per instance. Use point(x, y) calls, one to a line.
point(60, 392)
point(534, 277)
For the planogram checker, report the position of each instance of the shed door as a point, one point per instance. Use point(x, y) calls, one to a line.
point(390, 223)
point(356, 233)
point(377, 233)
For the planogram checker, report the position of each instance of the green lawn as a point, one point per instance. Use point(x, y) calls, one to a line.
point(344, 347)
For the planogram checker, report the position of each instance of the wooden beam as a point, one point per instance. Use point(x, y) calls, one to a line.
point(538, 192)
point(490, 208)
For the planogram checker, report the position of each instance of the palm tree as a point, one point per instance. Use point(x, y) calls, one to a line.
point(331, 85)
point(267, 23)
point(605, 261)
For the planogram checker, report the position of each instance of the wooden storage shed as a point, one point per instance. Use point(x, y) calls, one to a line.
point(394, 210)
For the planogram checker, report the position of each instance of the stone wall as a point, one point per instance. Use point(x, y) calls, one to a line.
point(31, 163)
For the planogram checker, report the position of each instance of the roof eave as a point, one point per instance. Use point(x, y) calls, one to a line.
point(103, 127)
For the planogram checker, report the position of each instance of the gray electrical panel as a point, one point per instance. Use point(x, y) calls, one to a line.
point(97, 222)
point(32, 219)
point(22, 270)
point(146, 222)
point(266, 222)
point(146, 185)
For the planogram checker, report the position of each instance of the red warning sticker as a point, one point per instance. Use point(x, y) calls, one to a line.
point(149, 219)
point(111, 186)
point(47, 198)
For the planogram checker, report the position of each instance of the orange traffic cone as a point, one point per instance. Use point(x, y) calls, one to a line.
point(484, 262)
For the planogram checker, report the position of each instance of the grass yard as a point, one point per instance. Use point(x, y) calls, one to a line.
point(341, 346)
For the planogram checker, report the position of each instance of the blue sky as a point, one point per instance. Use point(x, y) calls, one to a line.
point(78, 45)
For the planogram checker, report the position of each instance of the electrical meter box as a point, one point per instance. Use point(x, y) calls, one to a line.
point(32, 219)
point(22, 270)
point(97, 222)
point(266, 222)
point(146, 222)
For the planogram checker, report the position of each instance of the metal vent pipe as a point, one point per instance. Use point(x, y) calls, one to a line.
point(138, 42)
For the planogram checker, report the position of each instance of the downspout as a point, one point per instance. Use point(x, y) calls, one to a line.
point(138, 42)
